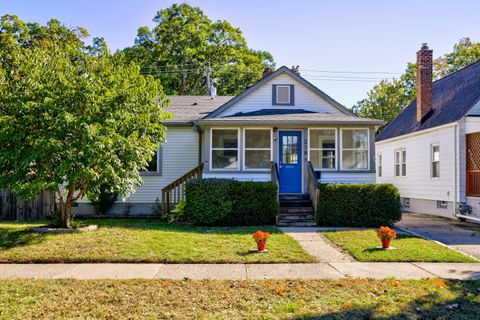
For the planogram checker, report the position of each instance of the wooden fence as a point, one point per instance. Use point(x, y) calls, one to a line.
point(13, 207)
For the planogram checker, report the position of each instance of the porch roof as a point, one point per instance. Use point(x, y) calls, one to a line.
point(289, 116)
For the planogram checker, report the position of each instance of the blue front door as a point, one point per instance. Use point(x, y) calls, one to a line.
point(290, 149)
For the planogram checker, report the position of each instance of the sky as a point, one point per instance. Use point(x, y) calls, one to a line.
point(360, 41)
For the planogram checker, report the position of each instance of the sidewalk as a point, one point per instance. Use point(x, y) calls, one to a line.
point(332, 270)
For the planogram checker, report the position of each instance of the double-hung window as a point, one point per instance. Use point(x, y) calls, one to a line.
point(154, 167)
point(257, 148)
point(283, 94)
point(322, 145)
point(400, 162)
point(355, 152)
point(435, 160)
point(224, 151)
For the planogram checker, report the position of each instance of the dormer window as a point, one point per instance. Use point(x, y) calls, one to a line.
point(283, 94)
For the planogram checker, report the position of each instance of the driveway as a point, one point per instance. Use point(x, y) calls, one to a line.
point(457, 234)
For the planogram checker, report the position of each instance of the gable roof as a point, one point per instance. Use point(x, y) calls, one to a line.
point(186, 109)
point(272, 76)
point(453, 96)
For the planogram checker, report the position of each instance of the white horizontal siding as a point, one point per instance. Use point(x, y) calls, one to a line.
point(262, 99)
point(418, 182)
point(180, 155)
point(347, 177)
point(472, 124)
point(238, 176)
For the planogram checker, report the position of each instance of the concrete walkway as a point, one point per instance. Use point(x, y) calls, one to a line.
point(332, 270)
point(456, 234)
point(317, 245)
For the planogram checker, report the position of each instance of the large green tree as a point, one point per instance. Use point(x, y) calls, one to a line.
point(73, 118)
point(388, 98)
point(185, 45)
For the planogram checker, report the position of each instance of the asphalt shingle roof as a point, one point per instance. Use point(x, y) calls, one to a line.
point(191, 108)
point(453, 97)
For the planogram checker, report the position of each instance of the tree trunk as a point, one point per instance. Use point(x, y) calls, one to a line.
point(67, 215)
point(66, 205)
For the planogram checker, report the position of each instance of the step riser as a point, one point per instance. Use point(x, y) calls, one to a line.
point(295, 217)
point(294, 198)
point(295, 204)
point(297, 224)
point(296, 210)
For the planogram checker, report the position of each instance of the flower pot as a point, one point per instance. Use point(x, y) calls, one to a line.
point(386, 243)
point(261, 245)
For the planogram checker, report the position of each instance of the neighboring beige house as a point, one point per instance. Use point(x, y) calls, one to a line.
point(431, 151)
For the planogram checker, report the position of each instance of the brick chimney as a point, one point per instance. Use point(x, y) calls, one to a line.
point(424, 81)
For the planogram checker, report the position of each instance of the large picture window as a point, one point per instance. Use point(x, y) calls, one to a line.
point(224, 152)
point(322, 145)
point(258, 148)
point(355, 149)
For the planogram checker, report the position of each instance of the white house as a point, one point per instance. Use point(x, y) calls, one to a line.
point(273, 130)
point(431, 151)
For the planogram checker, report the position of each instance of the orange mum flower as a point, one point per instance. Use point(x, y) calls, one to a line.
point(259, 235)
point(385, 233)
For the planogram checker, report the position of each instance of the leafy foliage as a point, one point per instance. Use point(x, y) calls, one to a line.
point(388, 98)
point(103, 200)
point(187, 42)
point(178, 213)
point(72, 122)
point(358, 205)
point(231, 202)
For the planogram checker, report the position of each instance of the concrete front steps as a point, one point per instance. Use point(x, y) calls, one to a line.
point(295, 211)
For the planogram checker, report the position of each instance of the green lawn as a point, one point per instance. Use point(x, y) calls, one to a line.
point(362, 245)
point(269, 299)
point(145, 241)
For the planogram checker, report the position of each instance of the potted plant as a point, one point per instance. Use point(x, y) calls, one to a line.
point(260, 238)
point(386, 234)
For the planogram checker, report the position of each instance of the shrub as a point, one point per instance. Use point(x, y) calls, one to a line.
point(231, 203)
point(358, 205)
point(178, 213)
point(104, 200)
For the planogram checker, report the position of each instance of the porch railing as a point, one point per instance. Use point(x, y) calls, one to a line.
point(173, 193)
point(473, 183)
point(312, 186)
point(275, 176)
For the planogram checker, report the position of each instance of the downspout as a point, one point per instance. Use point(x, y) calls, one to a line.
point(199, 130)
point(455, 168)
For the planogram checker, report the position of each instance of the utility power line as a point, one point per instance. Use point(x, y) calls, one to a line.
point(203, 66)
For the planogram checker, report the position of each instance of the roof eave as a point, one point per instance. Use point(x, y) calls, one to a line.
point(288, 122)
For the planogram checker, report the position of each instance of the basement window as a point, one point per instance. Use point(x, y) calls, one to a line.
point(442, 205)
point(406, 202)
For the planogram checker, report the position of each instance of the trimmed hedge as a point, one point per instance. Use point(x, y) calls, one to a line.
point(358, 205)
point(222, 202)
